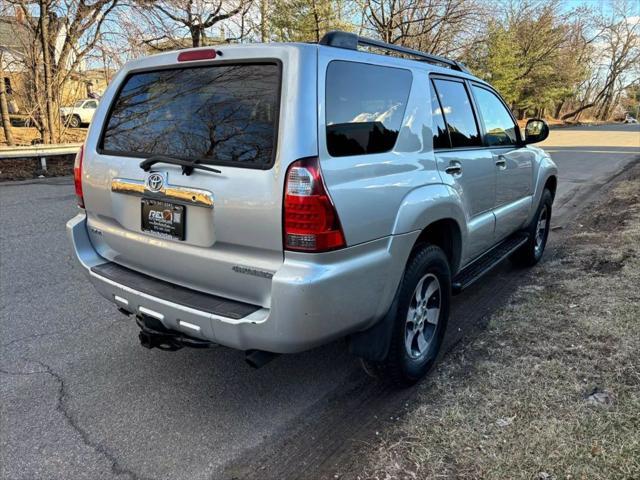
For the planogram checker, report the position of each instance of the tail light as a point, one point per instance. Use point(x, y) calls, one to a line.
point(311, 223)
point(77, 176)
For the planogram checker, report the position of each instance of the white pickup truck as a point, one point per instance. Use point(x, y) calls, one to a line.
point(80, 114)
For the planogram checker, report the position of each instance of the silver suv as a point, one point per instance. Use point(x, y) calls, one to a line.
point(273, 198)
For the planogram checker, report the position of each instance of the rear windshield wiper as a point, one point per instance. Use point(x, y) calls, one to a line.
point(187, 165)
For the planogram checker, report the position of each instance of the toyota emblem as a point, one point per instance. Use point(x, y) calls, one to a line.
point(155, 182)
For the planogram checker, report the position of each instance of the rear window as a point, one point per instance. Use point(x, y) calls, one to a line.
point(223, 114)
point(365, 107)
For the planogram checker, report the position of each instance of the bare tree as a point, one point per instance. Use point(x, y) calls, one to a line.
point(63, 32)
point(4, 108)
point(168, 18)
point(435, 26)
point(307, 20)
point(45, 45)
point(619, 47)
point(390, 19)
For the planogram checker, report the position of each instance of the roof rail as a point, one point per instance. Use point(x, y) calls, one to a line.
point(350, 41)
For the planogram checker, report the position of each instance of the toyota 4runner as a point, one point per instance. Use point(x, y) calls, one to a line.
point(276, 197)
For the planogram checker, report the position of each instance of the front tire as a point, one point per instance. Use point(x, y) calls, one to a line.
point(421, 317)
point(531, 252)
point(74, 121)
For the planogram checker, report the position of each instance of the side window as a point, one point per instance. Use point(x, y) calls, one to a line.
point(458, 113)
point(501, 130)
point(365, 106)
point(91, 104)
point(440, 135)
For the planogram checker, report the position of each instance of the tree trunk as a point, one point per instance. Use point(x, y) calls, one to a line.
point(264, 26)
point(195, 36)
point(316, 21)
point(46, 60)
point(559, 109)
point(4, 110)
point(569, 115)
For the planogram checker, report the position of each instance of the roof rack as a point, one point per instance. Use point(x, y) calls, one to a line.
point(350, 41)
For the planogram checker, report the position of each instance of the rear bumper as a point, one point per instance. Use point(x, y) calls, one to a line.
point(315, 298)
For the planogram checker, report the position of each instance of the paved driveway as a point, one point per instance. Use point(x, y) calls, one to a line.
point(81, 399)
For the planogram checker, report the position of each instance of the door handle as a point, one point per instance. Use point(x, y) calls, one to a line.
point(501, 162)
point(454, 168)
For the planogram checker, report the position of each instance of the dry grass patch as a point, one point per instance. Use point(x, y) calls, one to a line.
point(26, 135)
point(552, 388)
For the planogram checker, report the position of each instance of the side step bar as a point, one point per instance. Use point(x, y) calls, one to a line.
point(472, 272)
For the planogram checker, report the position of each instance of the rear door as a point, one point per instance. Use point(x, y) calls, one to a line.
point(462, 160)
point(217, 232)
point(513, 163)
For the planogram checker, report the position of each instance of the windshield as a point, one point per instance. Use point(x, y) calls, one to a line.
point(223, 114)
point(78, 104)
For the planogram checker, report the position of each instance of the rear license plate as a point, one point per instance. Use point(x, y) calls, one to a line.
point(163, 218)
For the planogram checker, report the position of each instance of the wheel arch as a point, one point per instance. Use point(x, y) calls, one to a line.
point(446, 234)
point(437, 212)
point(552, 185)
point(545, 177)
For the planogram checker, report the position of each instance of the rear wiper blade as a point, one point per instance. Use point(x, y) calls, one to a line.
point(187, 165)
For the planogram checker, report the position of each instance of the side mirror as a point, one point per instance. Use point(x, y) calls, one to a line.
point(536, 131)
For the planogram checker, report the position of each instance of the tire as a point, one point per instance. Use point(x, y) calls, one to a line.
point(421, 312)
point(74, 121)
point(531, 252)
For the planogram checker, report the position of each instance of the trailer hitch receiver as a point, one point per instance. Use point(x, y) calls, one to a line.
point(153, 334)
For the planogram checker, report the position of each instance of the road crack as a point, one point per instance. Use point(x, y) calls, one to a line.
point(70, 331)
point(30, 337)
point(63, 407)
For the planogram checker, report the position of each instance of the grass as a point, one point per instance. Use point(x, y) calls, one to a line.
point(552, 388)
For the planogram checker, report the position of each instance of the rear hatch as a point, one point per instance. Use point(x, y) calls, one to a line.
point(246, 113)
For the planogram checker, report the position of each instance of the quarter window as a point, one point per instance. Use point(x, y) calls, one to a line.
point(499, 126)
point(365, 106)
point(458, 114)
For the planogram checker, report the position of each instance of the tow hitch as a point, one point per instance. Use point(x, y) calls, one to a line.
point(154, 335)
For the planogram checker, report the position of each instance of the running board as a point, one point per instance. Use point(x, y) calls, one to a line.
point(474, 271)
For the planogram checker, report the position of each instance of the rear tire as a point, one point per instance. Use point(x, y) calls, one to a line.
point(531, 252)
point(421, 317)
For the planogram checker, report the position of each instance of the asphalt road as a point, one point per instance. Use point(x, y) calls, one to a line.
point(81, 399)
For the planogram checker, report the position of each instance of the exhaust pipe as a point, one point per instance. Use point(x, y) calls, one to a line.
point(259, 358)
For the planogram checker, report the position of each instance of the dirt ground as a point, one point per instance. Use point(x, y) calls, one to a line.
point(26, 135)
point(26, 168)
point(551, 390)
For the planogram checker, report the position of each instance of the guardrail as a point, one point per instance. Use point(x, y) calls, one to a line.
point(39, 151)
